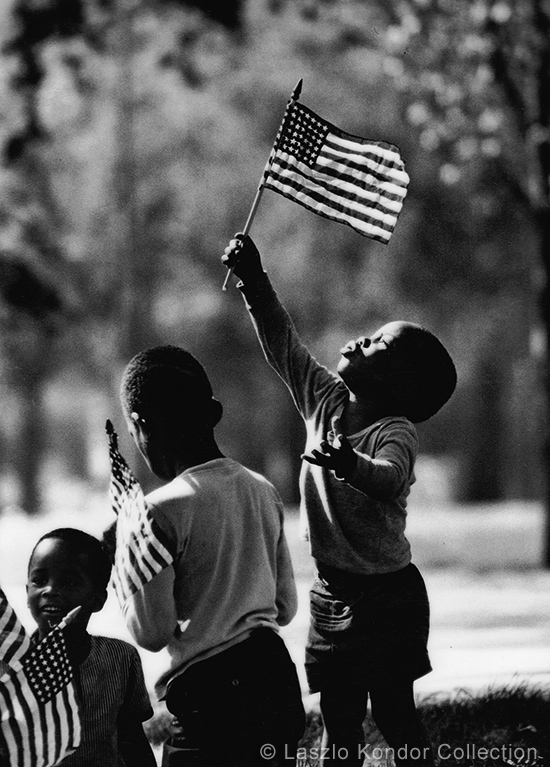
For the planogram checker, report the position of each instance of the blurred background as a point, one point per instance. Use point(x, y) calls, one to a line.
point(133, 134)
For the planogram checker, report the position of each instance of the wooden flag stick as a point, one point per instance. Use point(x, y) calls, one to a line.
point(294, 97)
point(248, 224)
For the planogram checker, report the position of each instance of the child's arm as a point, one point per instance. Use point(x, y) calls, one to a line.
point(307, 380)
point(287, 596)
point(150, 613)
point(383, 477)
point(134, 747)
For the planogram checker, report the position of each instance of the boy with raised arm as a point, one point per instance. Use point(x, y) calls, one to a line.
point(369, 616)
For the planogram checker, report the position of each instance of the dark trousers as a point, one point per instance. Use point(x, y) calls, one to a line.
point(240, 708)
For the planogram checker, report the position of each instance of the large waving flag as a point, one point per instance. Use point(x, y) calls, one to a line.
point(39, 710)
point(346, 178)
point(142, 549)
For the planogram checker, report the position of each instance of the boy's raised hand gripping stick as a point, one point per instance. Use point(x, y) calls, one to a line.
point(294, 97)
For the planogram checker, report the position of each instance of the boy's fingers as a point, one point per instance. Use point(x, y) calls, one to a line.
point(335, 426)
point(314, 457)
point(233, 247)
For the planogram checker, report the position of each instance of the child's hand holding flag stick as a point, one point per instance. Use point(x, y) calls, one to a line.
point(294, 97)
point(345, 178)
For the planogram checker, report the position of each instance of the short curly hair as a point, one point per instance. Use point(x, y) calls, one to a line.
point(165, 381)
point(431, 374)
point(83, 543)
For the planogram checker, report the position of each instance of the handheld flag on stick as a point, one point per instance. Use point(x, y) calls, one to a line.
point(39, 711)
point(355, 181)
point(142, 550)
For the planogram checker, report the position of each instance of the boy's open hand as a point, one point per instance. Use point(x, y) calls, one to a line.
point(242, 256)
point(337, 455)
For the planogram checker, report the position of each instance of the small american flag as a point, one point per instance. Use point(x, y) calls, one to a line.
point(39, 711)
point(142, 549)
point(345, 178)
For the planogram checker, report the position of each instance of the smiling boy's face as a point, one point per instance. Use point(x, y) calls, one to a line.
point(60, 579)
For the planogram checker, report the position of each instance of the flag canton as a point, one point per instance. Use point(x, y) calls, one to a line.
point(303, 135)
point(48, 668)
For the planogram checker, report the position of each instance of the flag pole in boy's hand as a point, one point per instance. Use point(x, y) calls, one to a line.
point(294, 97)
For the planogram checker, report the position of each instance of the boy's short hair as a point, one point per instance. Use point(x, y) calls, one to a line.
point(431, 374)
point(165, 381)
point(83, 543)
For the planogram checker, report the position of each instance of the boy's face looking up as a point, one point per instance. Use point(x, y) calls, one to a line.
point(60, 579)
point(371, 363)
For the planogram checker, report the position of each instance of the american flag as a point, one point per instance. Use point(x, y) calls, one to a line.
point(142, 549)
point(345, 178)
point(39, 710)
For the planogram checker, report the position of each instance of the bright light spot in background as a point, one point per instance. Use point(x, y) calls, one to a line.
point(449, 174)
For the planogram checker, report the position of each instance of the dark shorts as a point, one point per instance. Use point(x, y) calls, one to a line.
point(367, 629)
point(232, 704)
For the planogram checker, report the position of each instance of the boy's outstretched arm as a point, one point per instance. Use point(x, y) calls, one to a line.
point(134, 747)
point(306, 378)
point(382, 478)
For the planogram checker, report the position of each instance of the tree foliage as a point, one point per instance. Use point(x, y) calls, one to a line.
point(132, 153)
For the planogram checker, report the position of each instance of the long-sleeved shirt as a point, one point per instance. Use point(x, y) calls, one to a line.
point(357, 525)
point(232, 571)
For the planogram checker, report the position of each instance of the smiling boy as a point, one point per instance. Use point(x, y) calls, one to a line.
point(69, 568)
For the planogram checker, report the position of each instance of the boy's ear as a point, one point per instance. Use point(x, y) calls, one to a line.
point(139, 424)
point(217, 411)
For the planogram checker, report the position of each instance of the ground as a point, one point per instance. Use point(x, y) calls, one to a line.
point(490, 598)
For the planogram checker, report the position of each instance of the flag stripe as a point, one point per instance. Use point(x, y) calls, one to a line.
point(359, 158)
point(327, 205)
point(22, 723)
point(331, 212)
point(366, 220)
point(142, 549)
point(288, 173)
point(14, 641)
point(334, 163)
point(11, 734)
point(345, 178)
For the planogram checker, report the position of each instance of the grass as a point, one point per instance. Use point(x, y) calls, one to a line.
point(500, 727)
point(512, 723)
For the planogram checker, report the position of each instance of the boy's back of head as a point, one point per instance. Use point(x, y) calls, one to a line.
point(429, 373)
point(166, 382)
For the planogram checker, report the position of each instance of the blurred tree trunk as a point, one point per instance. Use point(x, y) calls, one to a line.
point(136, 271)
point(542, 17)
point(545, 312)
point(30, 442)
point(482, 477)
